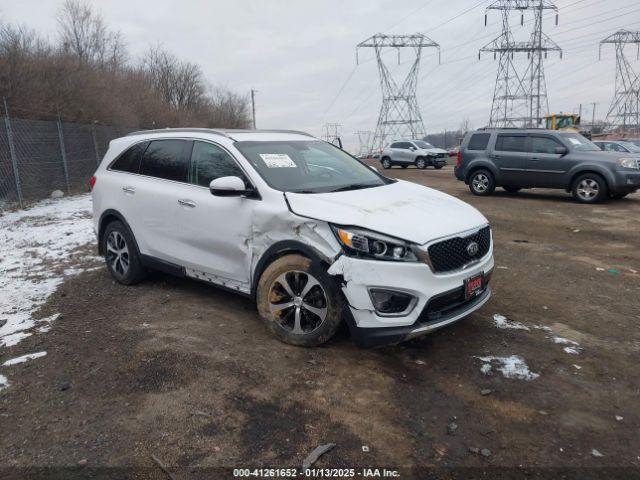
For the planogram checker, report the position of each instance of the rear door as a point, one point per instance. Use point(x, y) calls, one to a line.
point(510, 156)
point(544, 165)
point(163, 171)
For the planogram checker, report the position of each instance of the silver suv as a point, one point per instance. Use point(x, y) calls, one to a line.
point(413, 152)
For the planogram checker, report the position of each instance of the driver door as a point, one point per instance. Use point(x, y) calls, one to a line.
point(214, 232)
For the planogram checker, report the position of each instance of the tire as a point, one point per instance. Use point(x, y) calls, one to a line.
point(589, 188)
point(121, 254)
point(509, 189)
point(481, 183)
point(297, 323)
point(421, 163)
point(386, 163)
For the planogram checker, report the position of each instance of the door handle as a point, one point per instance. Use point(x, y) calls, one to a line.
point(187, 203)
point(495, 156)
point(129, 190)
point(535, 158)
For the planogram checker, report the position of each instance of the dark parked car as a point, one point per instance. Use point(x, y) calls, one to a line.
point(528, 158)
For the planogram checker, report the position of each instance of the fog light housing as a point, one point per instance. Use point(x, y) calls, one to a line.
point(391, 303)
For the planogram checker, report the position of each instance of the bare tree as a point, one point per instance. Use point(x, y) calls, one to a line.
point(84, 34)
point(179, 83)
point(465, 125)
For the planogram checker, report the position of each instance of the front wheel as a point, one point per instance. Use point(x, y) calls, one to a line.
point(386, 163)
point(481, 183)
point(589, 188)
point(421, 163)
point(299, 302)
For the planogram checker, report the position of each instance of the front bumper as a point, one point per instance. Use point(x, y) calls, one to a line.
point(626, 181)
point(436, 303)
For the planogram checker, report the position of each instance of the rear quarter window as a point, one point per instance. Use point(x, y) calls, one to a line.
point(129, 160)
point(479, 141)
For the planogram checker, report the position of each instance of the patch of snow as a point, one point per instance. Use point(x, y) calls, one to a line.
point(510, 367)
point(36, 245)
point(564, 341)
point(577, 367)
point(572, 350)
point(503, 322)
point(23, 358)
point(542, 327)
point(4, 383)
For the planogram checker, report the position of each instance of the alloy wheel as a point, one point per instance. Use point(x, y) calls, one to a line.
point(118, 253)
point(298, 302)
point(588, 188)
point(480, 183)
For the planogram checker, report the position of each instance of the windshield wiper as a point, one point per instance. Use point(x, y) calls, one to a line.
point(352, 186)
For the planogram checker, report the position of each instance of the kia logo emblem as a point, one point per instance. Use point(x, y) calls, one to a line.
point(472, 249)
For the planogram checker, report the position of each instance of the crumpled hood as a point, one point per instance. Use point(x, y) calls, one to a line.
point(403, 209)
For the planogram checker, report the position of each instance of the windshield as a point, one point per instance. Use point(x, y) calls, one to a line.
point(580, 143)
point(308, 166)
point(421, 144)
point(630, 146)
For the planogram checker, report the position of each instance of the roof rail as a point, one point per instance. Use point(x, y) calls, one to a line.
point(511, 128)
point(225, 132)
point(179, 130)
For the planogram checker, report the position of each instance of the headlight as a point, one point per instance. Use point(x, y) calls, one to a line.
point(628, 162)
point(363, 243)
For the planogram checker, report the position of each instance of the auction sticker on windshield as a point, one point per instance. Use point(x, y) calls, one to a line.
point(277, 160)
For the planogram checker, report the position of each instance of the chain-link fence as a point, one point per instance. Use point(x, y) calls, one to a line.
point(38, 157)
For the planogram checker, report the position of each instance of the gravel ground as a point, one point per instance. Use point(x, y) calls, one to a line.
point(544, 375)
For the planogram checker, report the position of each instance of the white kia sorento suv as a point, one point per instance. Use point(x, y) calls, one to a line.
point(313, 235)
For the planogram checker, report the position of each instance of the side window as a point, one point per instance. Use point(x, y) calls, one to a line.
point(129, 161)
point(510, 143)
point(479, 141)
point(209, 162)
point(618, 148)
point(164, 159)
point(544, 145)
point(405, 145)
point(395, 145)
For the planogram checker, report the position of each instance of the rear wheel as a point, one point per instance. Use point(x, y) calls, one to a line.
point(509, 189)
point(421, 163)
point(121, 255)
point(481, 183)
point(299, 302)
point(386, 163)
point(589, 188)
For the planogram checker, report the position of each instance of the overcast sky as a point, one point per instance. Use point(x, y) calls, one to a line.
point(300, 54)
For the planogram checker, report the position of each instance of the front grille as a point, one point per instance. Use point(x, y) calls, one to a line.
point(451, 254)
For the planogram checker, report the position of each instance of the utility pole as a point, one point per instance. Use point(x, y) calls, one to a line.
point(593, 114)
point(580, 111)
point(253, 106)
point(331, 133)
point(399, 115)
point(624, 112)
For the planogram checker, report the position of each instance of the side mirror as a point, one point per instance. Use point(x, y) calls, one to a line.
point(228, 187)
point(561, 150)
point(413, 149)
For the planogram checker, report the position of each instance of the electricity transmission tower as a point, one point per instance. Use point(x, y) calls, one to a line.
point(624, 112)
point(364, 140)
point(400, 115)
point(520, 97)
point(331, 133)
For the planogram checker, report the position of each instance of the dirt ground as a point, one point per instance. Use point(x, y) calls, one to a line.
point(187, 373)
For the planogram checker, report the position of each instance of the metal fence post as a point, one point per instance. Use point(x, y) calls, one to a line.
point(12, 150)
point(95, 142)
point(64, 154)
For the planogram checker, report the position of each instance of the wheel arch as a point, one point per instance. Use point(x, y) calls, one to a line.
point(605, 174)
point(474, 167)
point(280, 249)
point(106, 218)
